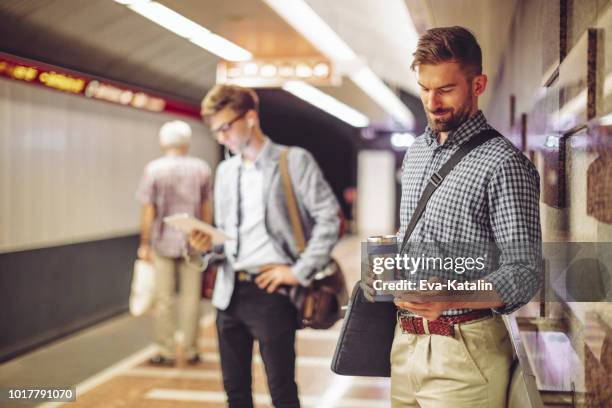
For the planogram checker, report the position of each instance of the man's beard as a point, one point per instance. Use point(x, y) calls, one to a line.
point(456, 118)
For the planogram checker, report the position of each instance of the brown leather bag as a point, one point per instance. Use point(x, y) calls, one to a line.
point(319, 305)
point(210, 264)
point(209, 276)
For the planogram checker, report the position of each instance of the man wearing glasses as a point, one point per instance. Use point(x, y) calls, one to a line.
point(249, 204)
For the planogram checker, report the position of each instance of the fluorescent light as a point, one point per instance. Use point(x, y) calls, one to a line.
point(169, 19)
point(305, 21)
point(312, 27)
point(286, 71)
point(222, 47)
point(250, 69)
point(321, 70)
point(268, 70)
point(402, 140)
point(186, 28)
point(371, 84)
point(303, 71)
point(326, 103)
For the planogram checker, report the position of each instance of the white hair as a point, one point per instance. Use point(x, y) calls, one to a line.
point(174, 134)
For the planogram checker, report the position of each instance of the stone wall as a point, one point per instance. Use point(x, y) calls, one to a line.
point(551, 98)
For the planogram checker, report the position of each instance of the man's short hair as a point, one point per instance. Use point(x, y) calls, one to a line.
point(174, 134)
point(235, 97)
point(446, 44)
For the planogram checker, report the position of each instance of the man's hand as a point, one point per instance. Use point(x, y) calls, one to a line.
point(273, 275)
point(200, 241)
point(367, 286)
point(431, 303)
point(424, 307)
point(428, 310)
point(144, 252)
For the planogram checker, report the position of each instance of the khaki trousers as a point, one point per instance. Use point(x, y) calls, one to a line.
point(190, 287)
point(471, 370)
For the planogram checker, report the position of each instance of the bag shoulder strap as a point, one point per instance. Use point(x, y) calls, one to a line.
point(438, 177)
point(291, 203)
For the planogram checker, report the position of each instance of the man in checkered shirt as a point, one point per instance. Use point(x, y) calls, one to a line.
point(457, 352)
point(173, 184)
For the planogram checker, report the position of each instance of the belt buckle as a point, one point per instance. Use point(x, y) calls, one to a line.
point(242, 277)
point(408, 320)
point(400, 319)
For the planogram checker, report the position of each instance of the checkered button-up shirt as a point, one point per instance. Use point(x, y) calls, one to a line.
point(491, 196)
point(174, 185)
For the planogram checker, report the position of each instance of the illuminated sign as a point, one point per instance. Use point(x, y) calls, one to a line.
point(111, 93)
point(62, 82)
point(274, 72)
point(78, 84)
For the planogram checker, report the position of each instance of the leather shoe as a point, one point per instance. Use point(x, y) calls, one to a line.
point(161, 361)
point(194, 360)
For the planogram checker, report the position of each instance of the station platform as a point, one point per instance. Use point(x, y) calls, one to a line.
point(108, 365)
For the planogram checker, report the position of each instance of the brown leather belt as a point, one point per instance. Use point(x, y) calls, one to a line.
point(443, 325)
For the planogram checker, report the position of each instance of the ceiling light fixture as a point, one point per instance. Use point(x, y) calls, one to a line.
point(222, 47)
point(307, 22)
point(371, 84)
point(186, 28)
point(326, 103)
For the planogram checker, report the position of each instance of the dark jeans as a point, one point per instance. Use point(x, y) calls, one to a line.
point(270, 319)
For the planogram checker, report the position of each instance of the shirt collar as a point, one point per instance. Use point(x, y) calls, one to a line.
point(262, 153)
point(460, 135)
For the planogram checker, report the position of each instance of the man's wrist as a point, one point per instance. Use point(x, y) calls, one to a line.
point(477, 305)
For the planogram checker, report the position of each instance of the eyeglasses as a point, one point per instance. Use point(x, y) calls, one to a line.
point(227, 126)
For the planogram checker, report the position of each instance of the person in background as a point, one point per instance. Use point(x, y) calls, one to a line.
point(250, 206)
point(172, 184)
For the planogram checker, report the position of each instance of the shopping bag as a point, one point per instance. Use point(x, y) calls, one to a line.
point(143, 288)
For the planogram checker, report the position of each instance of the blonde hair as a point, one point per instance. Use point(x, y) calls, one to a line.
point(229, 96)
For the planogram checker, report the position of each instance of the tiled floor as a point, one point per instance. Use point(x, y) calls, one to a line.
point(142, 385)
point(132, 382)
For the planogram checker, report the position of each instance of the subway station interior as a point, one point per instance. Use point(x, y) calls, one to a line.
point(86, 85)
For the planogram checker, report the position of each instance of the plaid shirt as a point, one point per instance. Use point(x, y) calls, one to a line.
point(174, 185)
point(491, 196)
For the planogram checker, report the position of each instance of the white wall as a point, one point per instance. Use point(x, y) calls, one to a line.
point(376, 193)
point(69, 166)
